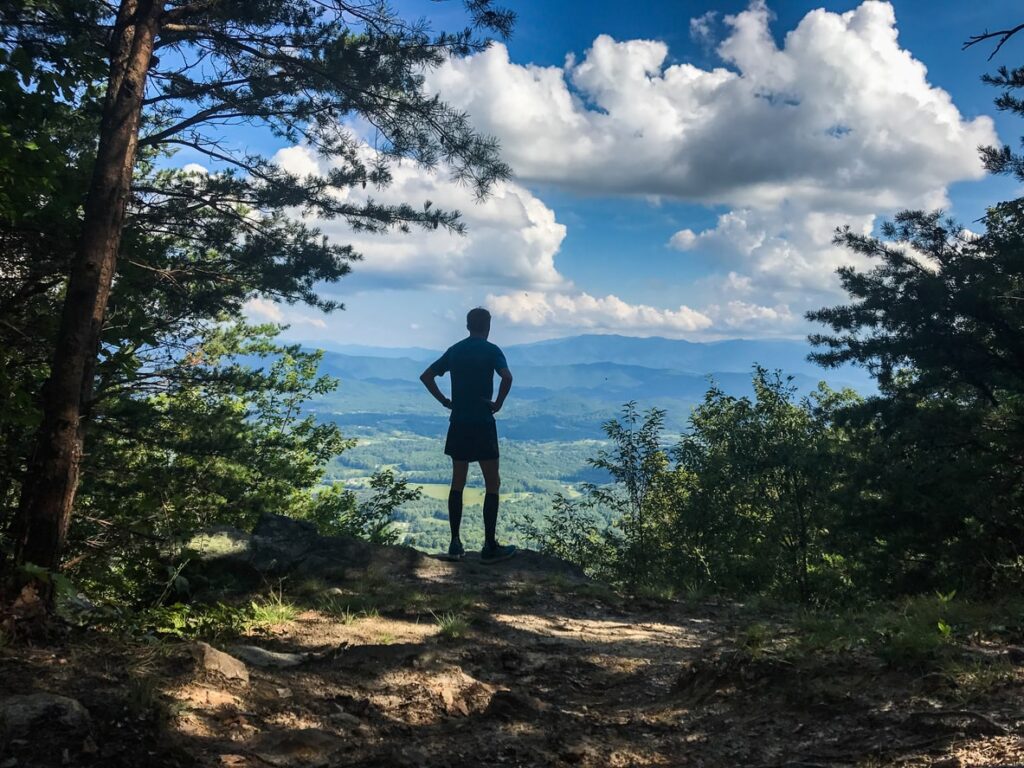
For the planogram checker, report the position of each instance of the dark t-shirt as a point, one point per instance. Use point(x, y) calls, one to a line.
point(472, 363)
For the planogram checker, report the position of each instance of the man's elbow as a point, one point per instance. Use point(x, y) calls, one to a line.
point(507, 377)
point(426, 376)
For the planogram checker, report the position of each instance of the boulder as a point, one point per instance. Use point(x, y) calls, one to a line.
point(210, 659)
point(278, 546)
point(42, 713)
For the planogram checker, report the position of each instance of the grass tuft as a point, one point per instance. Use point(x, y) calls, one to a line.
point(143, 697)
point(978, 678)
point(661, 593)
point(338, 608)
point(272, 610)
point(755, 640)
point(451, 625)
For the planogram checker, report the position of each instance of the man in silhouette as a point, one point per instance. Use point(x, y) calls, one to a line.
point(472, 434)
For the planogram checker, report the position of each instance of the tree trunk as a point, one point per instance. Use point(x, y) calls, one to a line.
point(48, 492)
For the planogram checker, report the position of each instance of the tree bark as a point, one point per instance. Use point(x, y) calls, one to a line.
point(48, 492)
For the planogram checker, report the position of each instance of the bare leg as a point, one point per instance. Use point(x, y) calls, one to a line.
point(460, 470)
point(492, 478)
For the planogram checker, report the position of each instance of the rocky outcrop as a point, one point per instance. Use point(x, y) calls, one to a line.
point(281, 546)
point(278, 546)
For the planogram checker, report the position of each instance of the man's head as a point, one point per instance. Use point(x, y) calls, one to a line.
point(478, 322)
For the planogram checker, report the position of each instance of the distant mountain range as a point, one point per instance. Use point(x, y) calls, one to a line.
point(690, 357)
point(566, 388)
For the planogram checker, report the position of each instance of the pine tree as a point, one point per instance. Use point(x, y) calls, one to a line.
point(177, 74)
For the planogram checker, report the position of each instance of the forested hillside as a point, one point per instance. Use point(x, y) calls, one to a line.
point(565, 391)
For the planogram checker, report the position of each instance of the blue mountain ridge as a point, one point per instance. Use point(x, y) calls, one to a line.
point(566, 388)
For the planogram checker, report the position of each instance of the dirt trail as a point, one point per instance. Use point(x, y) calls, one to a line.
point(549, 669)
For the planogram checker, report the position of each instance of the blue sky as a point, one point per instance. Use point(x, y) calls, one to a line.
point(681, 173)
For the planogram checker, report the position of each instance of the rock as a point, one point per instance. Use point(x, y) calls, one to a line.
point(261, 657)
point(217, 543)
point(42, 712)
point(577, 754)
point(278, 546)
point(302, 747)
point(286, 529)
point(513, 706)
point(345, 719)
point(212, 660)
point(461, 694)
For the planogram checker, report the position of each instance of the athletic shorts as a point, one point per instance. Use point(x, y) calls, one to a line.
point(472, 441)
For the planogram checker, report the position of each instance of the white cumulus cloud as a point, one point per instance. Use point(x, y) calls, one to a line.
point(511, 242)
point(780, 251)
point(841, 116)
point(702, 28)
point(580, 310)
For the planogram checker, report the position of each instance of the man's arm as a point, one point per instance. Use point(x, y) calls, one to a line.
point(429, 379)
point(503, 389)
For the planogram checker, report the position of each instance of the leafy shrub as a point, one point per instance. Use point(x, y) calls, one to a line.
point(190, 622)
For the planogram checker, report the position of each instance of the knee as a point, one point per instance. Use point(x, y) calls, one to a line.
point(458, 483)
point(493, 485)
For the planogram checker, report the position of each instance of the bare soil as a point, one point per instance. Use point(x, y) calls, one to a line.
point(552, 670)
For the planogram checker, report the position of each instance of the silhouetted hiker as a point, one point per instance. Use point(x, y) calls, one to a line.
point(472, 433)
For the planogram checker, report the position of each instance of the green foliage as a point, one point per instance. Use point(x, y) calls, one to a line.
point(219, 438)
point(759, 477)
point(571, 531)
point(640, 495)
point(208, 621)
point(660, 592)
point(936, 494)
point(143, 696)
point(922, 631)
point(978, 678)
point(616, 531)
point(189, 622)
point(746, 508)
point(336, 511)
